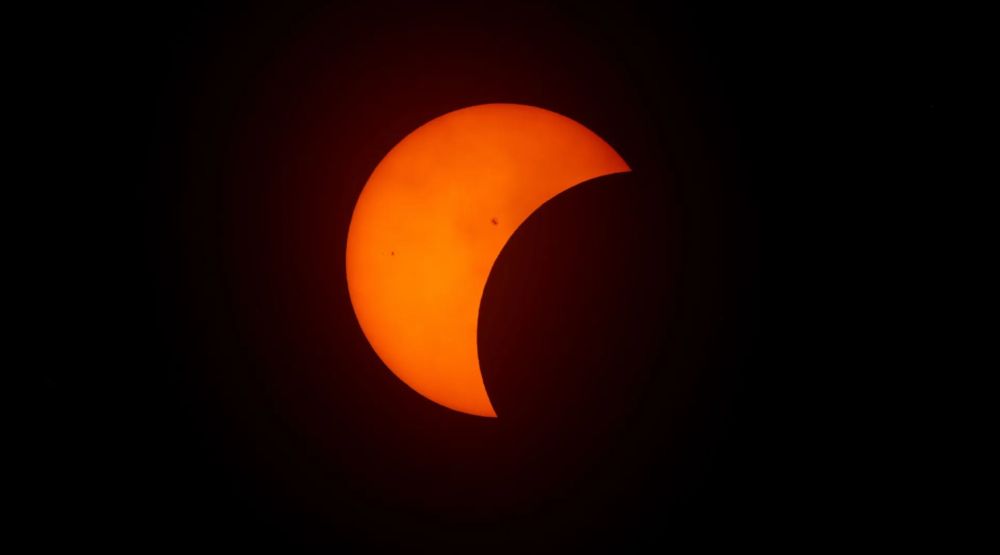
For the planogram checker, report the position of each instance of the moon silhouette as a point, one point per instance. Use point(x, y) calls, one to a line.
point(431, 221)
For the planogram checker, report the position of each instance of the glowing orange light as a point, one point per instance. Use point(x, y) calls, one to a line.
point(433, 218)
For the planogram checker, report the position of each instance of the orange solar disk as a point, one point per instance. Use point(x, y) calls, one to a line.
point(433, 218)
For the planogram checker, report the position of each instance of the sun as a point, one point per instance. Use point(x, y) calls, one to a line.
point(431, 221)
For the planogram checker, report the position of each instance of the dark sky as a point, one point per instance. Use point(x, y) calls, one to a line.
point(651, 339)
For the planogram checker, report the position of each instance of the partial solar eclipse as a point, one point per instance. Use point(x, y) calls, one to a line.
point(431, 221)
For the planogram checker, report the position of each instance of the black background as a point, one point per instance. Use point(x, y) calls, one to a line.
point(650, 340)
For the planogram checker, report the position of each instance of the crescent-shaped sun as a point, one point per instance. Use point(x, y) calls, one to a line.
point(431, 221)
